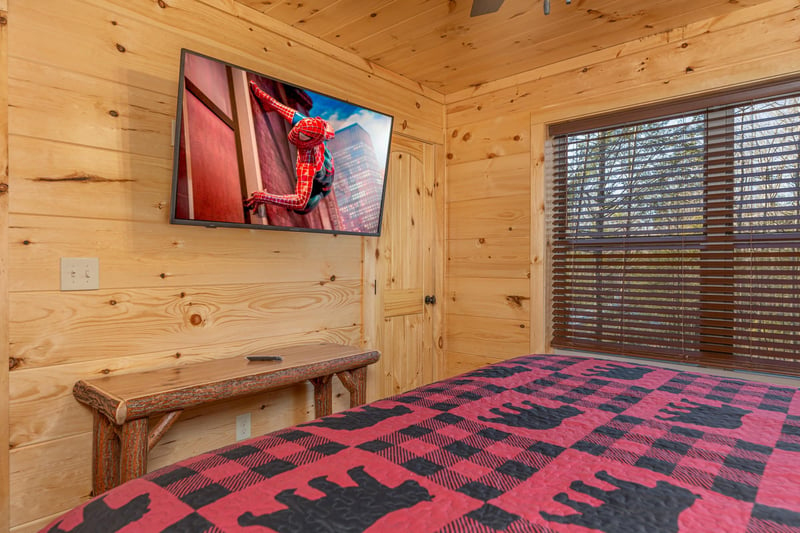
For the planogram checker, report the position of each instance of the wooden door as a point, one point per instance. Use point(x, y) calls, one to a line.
point(403, 266)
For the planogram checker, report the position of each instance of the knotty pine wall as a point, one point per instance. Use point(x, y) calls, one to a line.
point(92, 90)
point(496, 249)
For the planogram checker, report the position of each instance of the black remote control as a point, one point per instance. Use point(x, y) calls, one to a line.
point(264, 358)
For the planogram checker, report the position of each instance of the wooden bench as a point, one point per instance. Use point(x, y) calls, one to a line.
point(123, 403)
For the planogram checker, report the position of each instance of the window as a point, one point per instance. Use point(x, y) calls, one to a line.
point(676, 231)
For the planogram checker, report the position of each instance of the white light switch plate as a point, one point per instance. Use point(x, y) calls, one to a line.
point(80, 273)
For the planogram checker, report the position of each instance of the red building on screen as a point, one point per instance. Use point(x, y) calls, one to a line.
point(359, 179)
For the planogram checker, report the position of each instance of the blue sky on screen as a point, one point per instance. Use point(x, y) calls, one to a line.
point(341, 114)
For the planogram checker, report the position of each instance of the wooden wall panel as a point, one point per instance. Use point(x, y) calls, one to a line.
point(489, 178)
point(52, 328)
point(134, 254)
point(492, 257)
point(489, 297)
point(460, 363)
point(92, 87)
point(51, 103)
point(502, 217)
point(50, 476)
point(751, 44)
point(107, 33)
point(4, 187)
point(488, 228)
point(494, 136)
point(481, 335)
point(63, 176)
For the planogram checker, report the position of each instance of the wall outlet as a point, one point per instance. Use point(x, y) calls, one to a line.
point(80, 273)
point(243, 427)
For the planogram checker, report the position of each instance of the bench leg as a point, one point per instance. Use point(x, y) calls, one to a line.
point(323, 396)
point(134, 449)
point(355, 381)
point(105, 454)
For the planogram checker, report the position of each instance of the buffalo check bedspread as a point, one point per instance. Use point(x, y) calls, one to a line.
point(541, 443)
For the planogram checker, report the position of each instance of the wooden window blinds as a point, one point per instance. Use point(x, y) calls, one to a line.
point(676, 231)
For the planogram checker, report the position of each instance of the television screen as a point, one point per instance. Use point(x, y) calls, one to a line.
point(253, 151)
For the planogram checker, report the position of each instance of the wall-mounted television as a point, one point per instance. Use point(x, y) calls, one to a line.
point(254, 151)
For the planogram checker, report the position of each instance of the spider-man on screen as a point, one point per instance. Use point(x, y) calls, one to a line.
point(314, 162)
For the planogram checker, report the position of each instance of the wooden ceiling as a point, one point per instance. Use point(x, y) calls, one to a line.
point(436, 43)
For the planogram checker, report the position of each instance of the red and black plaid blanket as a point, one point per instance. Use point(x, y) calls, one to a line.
point(539, 443)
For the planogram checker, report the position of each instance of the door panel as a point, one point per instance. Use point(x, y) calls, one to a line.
point(402, 273)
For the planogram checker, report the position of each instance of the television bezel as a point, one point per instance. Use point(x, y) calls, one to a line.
point(176, 139)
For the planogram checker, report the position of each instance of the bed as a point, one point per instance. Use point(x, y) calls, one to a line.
point(542, 443)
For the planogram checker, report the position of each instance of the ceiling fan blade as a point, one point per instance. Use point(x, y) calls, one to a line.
point(483, 7)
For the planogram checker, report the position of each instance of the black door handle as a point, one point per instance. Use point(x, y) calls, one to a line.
point(430, 299)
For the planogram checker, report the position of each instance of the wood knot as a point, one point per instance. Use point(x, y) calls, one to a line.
point(685, 45)
point(405, 125)
point(162, 4)
point(26, 242)
point(517, 137)
point(689, 69)
point(177, 355)
point(114, 113)
point(481, 240)
point(467, 136)
point(333, 278)
point(162, 275)
point(3, 21)
point(515, 300)
point(13, 362)
point(112, 302)
point(105, 371)
point(3, 188)
point(196, 319)
point(120, 48)
point(183, 295)
point(449, 156)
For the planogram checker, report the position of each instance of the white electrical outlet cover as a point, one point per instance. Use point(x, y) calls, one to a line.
point(243, 427)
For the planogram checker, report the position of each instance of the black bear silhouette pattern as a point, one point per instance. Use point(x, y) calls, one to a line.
point(615, 371)
point(98, 517)
point(536, 417)
point(366, 417)
point(630, 507)
point(342, 509)
point(723, 417)
point(498, 371)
